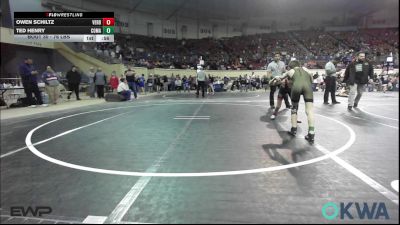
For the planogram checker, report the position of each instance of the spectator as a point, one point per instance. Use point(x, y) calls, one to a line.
point(172, 83)
point(130, 78)
point(241, 83)
point(141, 82)
point(123, 90)
point(192, 83)
point(186, 84)
point(236, 83)
point(247, 82)
point(384, 83)
point(315, 81)
point(114, 81)
point(157, 81)
point(322, 83)
point(251, 51)
point(264, 82)
point(258, 82)
point(100, 81)
point(211, 84)
point(52, 82)
point(74, 79)
point(29, 81)
point(165, 82)
point(178, 84)
point(390, 86)
point(150, 83)
point(91, 82)
point(226, 80)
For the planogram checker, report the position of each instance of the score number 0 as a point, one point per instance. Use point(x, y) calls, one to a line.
point(108, 21)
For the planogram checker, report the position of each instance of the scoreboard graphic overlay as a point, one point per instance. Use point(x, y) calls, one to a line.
point(64, 26)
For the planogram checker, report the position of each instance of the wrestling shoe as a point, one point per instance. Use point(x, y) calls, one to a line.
point(310, 138)
point(293, 131)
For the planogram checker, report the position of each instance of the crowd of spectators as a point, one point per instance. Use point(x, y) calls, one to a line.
point(384, 83)
point(182, 83)
point(315, 47)
point(245, 83)
point(376, 42)
point(319, 44)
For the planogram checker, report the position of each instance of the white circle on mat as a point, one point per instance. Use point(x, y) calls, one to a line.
point(32, 148)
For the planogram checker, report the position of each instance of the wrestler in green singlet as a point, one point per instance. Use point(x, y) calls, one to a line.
point(301, 85)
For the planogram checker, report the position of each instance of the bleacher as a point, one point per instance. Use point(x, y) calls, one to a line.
point(245, 52)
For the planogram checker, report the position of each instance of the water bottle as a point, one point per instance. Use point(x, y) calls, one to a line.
point(45, 98)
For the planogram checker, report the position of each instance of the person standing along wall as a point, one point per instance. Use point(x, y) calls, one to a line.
point(100, 80)
point(264, 82)
point(150, 84)
point(114, 81)
point(130, 78)
point(186, 84)
point(315, 82)
point(211, 84)
point(52, 82)
point(92, 88)
point(157, 82)
point(142, 82)
point(165, 83)
point(29, 81)
point(172, 82)
point(74, 79)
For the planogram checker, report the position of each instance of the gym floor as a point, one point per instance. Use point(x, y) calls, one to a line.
point(173, 158)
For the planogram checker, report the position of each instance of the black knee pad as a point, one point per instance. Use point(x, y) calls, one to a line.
point(309, 100)
point(295, 107)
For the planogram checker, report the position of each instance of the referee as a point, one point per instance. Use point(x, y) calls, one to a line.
point(330, 81)
point(274, 69)
point(201, 80)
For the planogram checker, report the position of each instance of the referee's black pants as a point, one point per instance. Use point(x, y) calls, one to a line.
point(330, 87)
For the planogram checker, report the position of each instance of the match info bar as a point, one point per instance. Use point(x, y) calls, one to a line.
point(64, 26)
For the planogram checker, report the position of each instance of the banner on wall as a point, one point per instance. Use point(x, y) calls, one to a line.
point(121, 27)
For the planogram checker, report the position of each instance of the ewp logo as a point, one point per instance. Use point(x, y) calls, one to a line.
point(35, 211)
point(377, 210)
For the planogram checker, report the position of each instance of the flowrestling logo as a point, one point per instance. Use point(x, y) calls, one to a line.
point(374, 211)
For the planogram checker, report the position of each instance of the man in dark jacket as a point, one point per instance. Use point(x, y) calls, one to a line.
point(29, 81)
point(74, 79)
point(357, 74)
point(131, 79)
